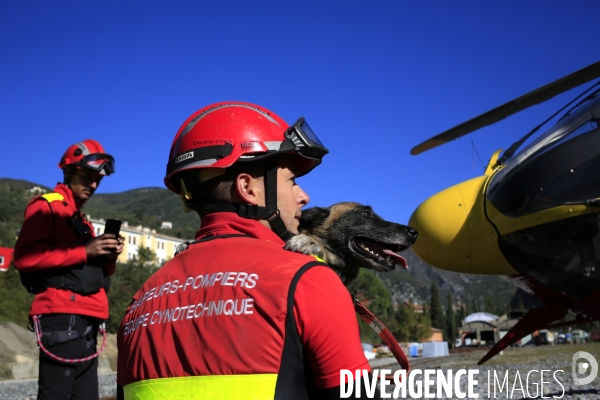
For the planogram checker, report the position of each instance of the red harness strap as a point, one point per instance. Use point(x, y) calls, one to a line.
point(384, 333)
point(38, 334)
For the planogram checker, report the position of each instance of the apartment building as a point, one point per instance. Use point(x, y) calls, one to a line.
point(137, 236)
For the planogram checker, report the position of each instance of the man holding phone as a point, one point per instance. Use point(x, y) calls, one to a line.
point(67, 268)
point(112, 226)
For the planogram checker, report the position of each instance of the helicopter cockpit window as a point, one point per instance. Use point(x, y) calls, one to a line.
point(565, 170)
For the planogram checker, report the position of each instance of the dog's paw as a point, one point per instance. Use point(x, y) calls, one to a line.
point(306, 245)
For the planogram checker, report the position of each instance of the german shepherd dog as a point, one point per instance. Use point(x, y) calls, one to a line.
point(349, 236)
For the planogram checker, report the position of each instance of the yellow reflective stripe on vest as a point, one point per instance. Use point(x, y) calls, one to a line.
point(50, 197)
point(318, 259)
point(225, 387)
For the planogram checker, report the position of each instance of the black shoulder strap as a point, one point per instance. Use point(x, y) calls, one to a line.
point(295, 380)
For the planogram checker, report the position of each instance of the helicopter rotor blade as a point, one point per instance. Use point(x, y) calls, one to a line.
point(521, 103)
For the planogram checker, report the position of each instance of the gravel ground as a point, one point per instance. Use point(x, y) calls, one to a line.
point(27, 389)
point(516, 364)
point(557, 384)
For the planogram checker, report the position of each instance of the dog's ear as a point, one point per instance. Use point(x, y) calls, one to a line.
point(313, 218)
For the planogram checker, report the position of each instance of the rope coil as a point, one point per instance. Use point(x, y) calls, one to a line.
point(38, 334)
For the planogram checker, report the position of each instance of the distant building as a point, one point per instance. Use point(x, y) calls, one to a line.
point(457, 306)
point(135, 237)
point(437, 335)
point(6, 257)
point(482, 328)
point(36, 190)
point(418, 308)
point(166, 225)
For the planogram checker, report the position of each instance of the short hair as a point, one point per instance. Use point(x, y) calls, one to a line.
point(219, 188)
point(68, 172)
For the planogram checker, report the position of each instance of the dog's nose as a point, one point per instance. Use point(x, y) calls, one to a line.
point(412, 233)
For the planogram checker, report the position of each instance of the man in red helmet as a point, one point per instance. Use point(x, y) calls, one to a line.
point(235, 315)
point(67, 268)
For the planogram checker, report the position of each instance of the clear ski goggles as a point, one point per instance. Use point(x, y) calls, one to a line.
point(100, 162)
point(305, 141)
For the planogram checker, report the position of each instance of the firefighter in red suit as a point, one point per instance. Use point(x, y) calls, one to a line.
point(235, 316)
point(67, 268)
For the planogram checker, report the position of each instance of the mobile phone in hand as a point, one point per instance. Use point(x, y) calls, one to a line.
point(112, 226)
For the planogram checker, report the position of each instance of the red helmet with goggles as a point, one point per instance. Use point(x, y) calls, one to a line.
point(221, 134)
point(88, 154)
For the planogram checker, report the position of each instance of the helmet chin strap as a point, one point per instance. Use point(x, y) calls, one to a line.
point(271, 202)
point(269, 212)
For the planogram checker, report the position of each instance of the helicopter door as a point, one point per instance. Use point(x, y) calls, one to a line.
point(563, 254)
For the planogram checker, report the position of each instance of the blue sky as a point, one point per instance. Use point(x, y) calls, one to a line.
point(373, 79)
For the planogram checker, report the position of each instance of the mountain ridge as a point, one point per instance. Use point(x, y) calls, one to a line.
point(150, 206)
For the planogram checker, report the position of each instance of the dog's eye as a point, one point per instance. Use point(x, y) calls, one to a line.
point(367, 214)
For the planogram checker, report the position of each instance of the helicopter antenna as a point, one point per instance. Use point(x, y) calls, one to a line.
point(511, 150)
point(474, 151)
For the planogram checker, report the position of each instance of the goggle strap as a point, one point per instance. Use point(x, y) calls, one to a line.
point(200, 154)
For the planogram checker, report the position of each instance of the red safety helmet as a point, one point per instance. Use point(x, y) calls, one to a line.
point(221, 134)
point(88, 154)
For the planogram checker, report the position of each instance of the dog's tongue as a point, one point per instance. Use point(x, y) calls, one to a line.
point(397, 259)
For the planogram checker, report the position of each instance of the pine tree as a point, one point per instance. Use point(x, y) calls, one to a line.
point(468, 309)
point(474, 306)
point(489, 305)
point(371, 290)
point(422, 329)
point(407, 318)
point(412, 326)
point(460, 315)
point(450, 321)
point(369, 287)
point(426, 315)
point(436, 310)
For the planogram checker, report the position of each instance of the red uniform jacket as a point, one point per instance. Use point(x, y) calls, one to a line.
point(219, 308)
point(48, 240)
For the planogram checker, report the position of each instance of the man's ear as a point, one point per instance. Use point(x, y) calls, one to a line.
point(249, 190)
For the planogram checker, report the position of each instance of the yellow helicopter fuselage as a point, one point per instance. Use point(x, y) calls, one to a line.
point(459, 228)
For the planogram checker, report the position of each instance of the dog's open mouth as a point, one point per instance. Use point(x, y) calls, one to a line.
point(383, 254)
